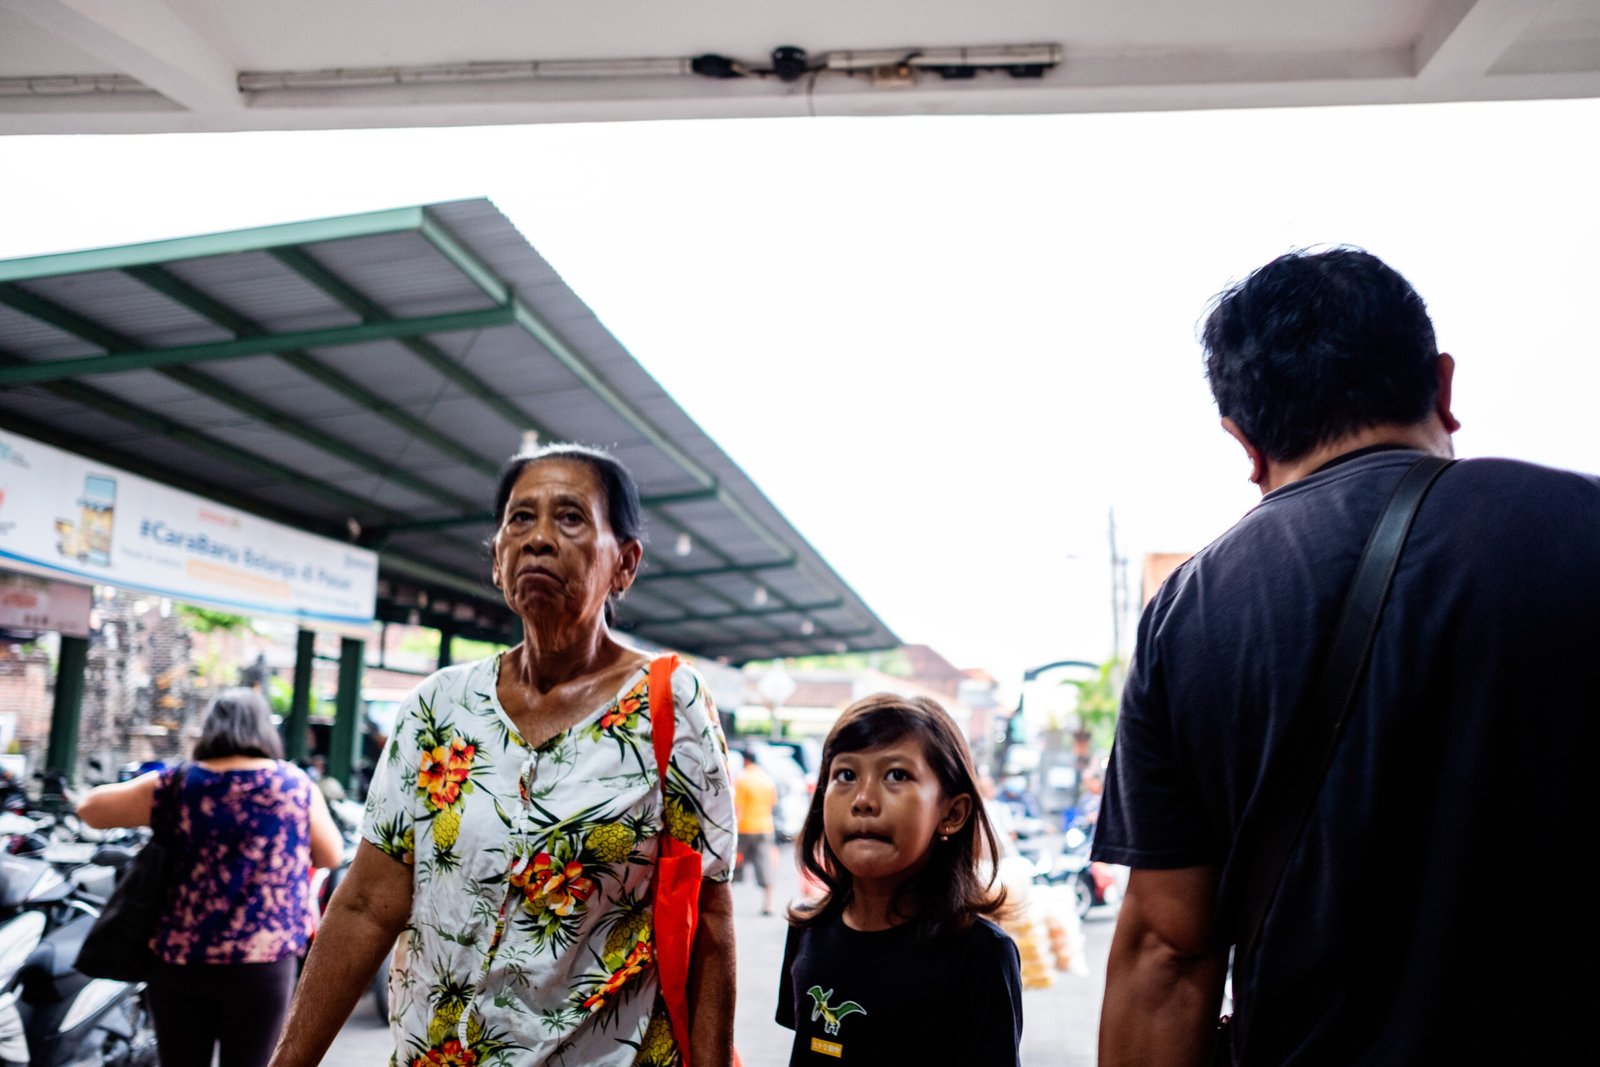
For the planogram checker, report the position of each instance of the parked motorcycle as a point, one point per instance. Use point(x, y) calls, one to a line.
point(1093, 884)
point(50, 1014)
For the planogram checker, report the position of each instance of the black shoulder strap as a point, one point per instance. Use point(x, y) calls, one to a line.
point(1292, 792)
point(165, 808)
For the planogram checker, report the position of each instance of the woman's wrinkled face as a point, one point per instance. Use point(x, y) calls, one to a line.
point(556, 559)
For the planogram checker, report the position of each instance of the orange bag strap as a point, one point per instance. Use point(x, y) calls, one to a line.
point(662, 725)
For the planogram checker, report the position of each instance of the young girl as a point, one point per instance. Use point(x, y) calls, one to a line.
point(897, 962)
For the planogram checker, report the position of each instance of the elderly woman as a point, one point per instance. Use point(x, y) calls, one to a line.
point(514, 821)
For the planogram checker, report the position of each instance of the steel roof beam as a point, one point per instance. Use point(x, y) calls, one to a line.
point(117, 408)
point(134, 358)
point(174, 288)
point(301, 262)
point(108, 403)
point(314, 231)
point(225, 394)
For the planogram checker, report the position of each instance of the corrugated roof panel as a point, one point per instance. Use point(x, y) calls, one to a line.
point(381, 491)
point(148, 389)
point(509, 359)
point(24, 335)
point(474, 426)
point(290, 451)
point(115, 302)
point(400, 272)
point(36, 402)
point(77, 421)
point(260, 288)
point(393, 445)
point(294, 499)
point(276, 383)
point(388, 370)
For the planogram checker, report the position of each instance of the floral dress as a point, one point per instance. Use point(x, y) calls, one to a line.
point(242, 890)
point(530, 936)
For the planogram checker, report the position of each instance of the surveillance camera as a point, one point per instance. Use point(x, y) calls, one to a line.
point(789, 63)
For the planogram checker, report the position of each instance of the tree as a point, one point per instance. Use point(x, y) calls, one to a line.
point(1099, 699)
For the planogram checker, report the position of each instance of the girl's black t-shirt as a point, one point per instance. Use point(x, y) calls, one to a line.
point(887, 997)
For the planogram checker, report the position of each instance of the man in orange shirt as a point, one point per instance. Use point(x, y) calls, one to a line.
point(755, 794)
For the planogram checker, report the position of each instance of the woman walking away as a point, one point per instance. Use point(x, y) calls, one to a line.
point(898, 963)
point(515, 820)
point(250, 827)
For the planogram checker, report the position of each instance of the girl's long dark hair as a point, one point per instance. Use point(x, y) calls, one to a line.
point(952, 890)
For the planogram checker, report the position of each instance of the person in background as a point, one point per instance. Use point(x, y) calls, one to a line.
point(1088, 806)
point(755, 794)
point(1385, 929)
point(250, 826)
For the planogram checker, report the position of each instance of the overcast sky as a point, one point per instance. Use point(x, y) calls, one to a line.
point(946, 348)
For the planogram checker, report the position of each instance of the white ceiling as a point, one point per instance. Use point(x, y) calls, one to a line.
point(95, 66)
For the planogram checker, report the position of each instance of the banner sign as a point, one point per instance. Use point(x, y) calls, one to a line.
point(64, 516)
point(38, 604)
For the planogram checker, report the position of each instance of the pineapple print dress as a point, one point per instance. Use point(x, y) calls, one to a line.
point(530, 937)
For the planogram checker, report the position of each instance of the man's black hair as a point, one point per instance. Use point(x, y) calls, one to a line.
point(1318, 345)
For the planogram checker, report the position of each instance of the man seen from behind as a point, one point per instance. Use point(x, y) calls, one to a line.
point(1397, 934)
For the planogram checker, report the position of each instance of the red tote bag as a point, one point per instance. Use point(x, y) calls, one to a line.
point(676, 908)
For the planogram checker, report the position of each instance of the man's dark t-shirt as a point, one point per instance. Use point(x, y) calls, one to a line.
point(1427, 915)
point(884, 998)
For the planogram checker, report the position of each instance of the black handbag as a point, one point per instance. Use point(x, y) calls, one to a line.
point(117, 946)
point(1285, 802)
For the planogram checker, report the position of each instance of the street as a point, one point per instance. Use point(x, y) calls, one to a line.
point(1058, 1022)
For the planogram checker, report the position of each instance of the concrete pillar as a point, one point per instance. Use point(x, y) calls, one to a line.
point(66, 716)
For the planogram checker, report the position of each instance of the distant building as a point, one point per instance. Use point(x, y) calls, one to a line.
point(820, 693)
point(1157, 566)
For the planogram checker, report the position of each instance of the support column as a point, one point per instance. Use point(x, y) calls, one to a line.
point(298, 725)
point(347, 713)
point(446, 637)
point(67, 714)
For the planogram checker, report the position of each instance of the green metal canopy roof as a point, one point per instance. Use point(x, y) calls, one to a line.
point(364, 378)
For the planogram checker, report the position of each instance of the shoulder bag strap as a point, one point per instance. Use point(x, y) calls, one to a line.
point(662, 712)
point(1312, 745)
point(164, 812)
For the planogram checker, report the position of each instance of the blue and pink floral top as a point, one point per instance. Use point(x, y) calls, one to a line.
point(242, 889)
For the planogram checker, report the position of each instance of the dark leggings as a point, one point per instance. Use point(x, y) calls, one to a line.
point(240, 1006)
